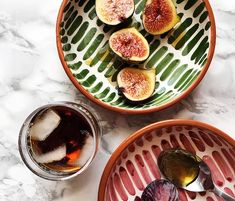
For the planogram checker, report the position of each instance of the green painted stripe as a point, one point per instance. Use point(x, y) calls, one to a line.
point(183, 78)
point(100, 54)
point(192, 43)
point(203, 17)
point(202, 59)
point(140, 7)
point(99, 22)
point(158, 55)
point(117, 102)
point(77, 22)
point(157, 95)
point(62, 32)
point(202, 52)
point(183, 86)
point(62, 24)
point(70, 57)
point(137, 1)
point(169, 69)
point(179, 1)
point(200, 49)
point(68, 13)
point(163, 98)
point(75, 66)
point(66, 47)
point(190, 4)
point(89, 5)
point(154, 46)
point(204, 62)
point(96, 88)
point(179, 71)
point(80, 33)
point(105, 63)
point(89, 81)
point(208, 25)
point(180, 30)
point(82, 74)
point(87, 39)
point(64, 39)
point(93, 46)
point(81, 2)
point(191, 81)
point(109, 72)
point(67, 7)
point(103, 94)
point(92, 14)
point(167, 59)
point(110, 97)
point(70, 20)
point(186, 37)
point(199, 10)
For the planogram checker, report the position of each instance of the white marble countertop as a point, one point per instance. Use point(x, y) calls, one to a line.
point(31, 75)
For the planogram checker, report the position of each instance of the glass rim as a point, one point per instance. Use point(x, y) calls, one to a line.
point(93, 121)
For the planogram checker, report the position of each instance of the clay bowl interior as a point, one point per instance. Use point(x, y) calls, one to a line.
point(134, 164)
point(180, 57)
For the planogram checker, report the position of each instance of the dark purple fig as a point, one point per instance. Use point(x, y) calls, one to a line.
point(114, 12)
point(160, 190)
point(159, 16)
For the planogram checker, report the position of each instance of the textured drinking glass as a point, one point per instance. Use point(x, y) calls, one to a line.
point(86, 113)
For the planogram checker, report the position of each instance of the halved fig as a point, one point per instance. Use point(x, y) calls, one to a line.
point(129, 44)
point(159, 16)
point(160, 190)
point(136, 84)
point(114, 12)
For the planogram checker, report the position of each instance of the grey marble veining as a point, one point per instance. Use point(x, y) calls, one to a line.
point(31, 75)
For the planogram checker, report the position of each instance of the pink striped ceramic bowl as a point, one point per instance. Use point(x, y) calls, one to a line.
point(134, 164)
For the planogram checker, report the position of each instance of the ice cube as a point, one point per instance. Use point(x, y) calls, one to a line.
point(86, 152)
point(49, 157)
point(44, 125)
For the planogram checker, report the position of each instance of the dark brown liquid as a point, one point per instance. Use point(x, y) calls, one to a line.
point(179, 166)
point(72, 132)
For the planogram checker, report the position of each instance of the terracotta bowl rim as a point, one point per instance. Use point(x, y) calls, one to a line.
point(147, 129)
point(138, 111)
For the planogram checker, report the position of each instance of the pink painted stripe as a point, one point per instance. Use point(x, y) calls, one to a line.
point(223, 141)
point(215, 139)
point(119, 187)
point(206, 139)
point(209, 199)
point(229, 191)
point(107, 196)
point(112, 191)
point(232, 152)
point(137, 198)
point(192, 195)
point(197, 141)
point(131, 148)
point(156, 150)
point(151, 164)
point(126, 181)
point(182, 195)
point(142, 168)
point(132, 171)
point(187, 144)
point(174, 142)
point(216, 174)
point(148, 137)
point(225, 169)
point(165, 145)
point(140, 142)
point(219, 199)
point(229, 158)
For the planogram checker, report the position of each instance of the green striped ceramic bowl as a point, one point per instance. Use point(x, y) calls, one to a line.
point(181, 57)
